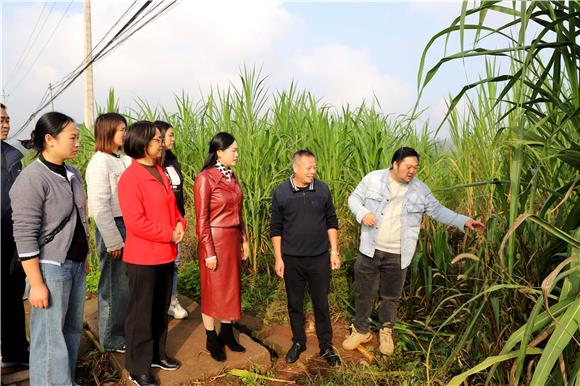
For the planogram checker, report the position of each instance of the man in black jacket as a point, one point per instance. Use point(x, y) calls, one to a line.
point(14, 343)
point(302, 227)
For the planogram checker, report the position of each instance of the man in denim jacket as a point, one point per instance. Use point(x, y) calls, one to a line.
point(390, 204)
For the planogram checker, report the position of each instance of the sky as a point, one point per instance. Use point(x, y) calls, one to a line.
point(344, 52)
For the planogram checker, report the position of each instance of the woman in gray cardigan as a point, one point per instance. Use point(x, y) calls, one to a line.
point(51, 234)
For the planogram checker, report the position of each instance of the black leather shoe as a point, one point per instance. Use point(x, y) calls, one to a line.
point(19, 363)
point(294, 352)
point(330, 356)
point(16, 361)
point(169, 364)
point(143, 379)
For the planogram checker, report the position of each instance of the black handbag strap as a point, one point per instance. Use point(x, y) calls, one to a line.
point(48, 238)
point(57, 230)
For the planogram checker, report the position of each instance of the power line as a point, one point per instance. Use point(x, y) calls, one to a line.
point(42, 49)
point(96, 47)
point(135, 23)
point(28, 40)
point(32, 40)
point(138, 28)
point(59, 87)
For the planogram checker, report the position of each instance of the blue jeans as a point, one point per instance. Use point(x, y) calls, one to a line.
point(55, 332)
point(176, 270)
point(113, 294)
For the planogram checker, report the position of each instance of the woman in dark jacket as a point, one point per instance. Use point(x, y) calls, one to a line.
point(172, 169)
point(222, 242)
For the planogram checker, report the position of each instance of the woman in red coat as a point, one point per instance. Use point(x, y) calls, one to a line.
point(154, 228)
point(222, 242)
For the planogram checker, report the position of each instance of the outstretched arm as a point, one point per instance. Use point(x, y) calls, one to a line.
point(475, 225)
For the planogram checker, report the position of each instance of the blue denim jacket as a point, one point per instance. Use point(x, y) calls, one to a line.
point(373, 195)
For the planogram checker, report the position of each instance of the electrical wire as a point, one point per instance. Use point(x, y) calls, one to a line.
point(23, 77)
point(96, 46)
point(139, 20)
point(30, 42)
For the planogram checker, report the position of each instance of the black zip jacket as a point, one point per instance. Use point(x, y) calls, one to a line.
point(302, 217)
point(11, 167)
point(171, 160)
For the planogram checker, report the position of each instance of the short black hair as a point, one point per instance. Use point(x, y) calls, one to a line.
point(137, 137)
point(402, 153)
point(302, 153)
point(2, 106)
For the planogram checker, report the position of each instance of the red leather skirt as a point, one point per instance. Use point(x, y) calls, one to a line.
point(220, 289)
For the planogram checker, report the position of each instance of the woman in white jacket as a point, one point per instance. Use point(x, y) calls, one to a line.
point(102, 176)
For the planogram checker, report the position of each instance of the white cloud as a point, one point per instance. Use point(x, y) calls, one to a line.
point(443, 11)
point(26, 74)
point(197, 45)
point(344, 75)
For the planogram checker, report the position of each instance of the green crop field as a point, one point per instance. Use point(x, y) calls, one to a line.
point(500, 307)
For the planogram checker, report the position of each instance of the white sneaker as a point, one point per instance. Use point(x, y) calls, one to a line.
point(355, 339)
point(176, 310)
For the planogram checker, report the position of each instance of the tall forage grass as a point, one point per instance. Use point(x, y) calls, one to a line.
point(348, 143)
point(470, 310)
point(531, 114)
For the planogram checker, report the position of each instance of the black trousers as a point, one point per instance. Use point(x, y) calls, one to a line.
point(14, 342)
point(298, 271)
point(383, 275)
point(146, 320)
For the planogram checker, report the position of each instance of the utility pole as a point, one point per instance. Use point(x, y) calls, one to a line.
point(89, 95)
point(51, 99)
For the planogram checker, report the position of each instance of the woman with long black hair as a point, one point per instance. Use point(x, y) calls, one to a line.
point(222, 242)
point(172, 168)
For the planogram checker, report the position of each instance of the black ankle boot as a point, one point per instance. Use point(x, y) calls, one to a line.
point(214, 346)
point(227, 337)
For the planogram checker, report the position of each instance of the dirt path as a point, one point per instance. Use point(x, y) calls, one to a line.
point(266, 345)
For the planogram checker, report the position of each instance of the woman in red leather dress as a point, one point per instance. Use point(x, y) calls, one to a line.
point(222, 243)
